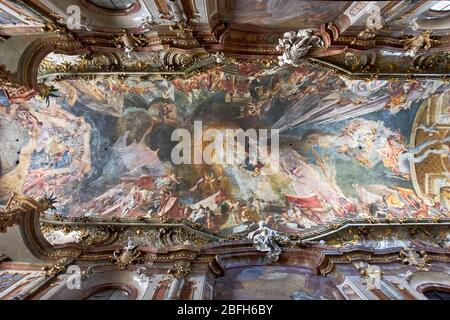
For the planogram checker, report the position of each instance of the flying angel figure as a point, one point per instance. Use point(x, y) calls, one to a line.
point(206, 181)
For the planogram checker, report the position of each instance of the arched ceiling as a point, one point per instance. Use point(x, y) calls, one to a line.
point(96, 139)
point(87, 113)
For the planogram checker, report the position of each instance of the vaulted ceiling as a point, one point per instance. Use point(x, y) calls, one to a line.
point(88, 106)
point(355, 44)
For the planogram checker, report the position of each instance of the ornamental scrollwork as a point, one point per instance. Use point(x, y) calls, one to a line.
point(57, 268)
point(129, 41)
point(18, 205)
point(296, 45)
point(126, 256)
point(418, 259)
point(413, 43)
point(15, 90)
point(179, 270)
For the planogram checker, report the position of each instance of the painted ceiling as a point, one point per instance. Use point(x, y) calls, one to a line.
point(91, 97)
point(348, 148)
point(281, 14)
point(101, 141)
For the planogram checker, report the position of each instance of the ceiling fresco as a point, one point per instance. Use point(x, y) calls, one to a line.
point(103, 146)
point(281, 14)
point(224, 150)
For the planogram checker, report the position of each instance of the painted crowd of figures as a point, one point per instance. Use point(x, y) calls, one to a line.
point(104, 147)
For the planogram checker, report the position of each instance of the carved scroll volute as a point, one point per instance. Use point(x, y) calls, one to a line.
point(17, 206)
point(216, 268)
point(16, 92)
point(173, 60)
point(25, 211)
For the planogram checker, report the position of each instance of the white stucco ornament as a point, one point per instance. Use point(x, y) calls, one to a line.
point(263, 240)
point(296, 45)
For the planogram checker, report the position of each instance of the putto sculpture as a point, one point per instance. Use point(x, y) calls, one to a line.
point(264, 240)
point(296, 45)
point(370, 274)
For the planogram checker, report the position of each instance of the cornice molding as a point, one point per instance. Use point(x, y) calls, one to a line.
point(169, 239)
